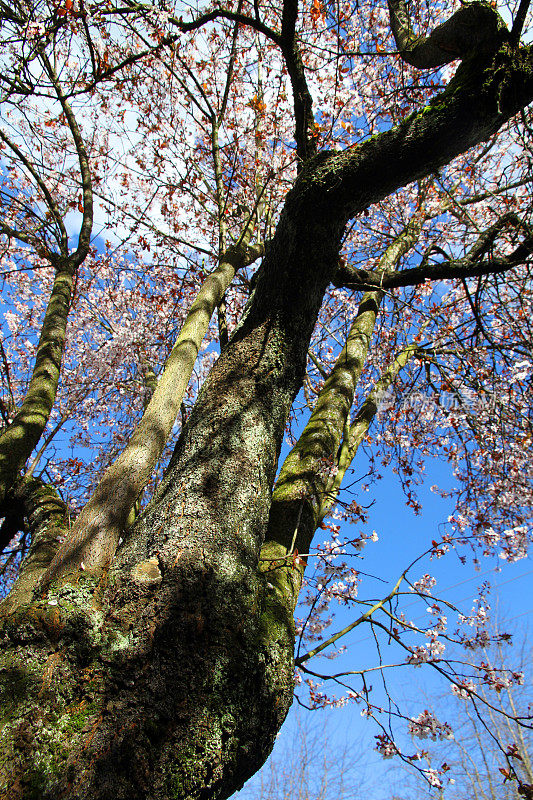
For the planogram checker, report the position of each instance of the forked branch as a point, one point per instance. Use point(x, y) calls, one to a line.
point(474, 27)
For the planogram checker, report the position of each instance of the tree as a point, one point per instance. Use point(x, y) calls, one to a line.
point(308, 765)
point(489, 756)
point(152, 655)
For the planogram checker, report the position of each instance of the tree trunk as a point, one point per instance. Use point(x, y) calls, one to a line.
point(172, 678)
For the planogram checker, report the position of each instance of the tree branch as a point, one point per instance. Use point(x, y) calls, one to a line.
point(84, 238)
point(470, 266)
point(484, 94)
point(50, 202)
point(19, 438)
point(47, 517)
point(519, 20)
point(95, 535)
point(203, 19)
point(363, 618)
point(473, 28)
point(303, 102)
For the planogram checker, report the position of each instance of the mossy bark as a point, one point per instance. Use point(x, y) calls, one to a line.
point(46, 516)
point(165, 697)
point(19, 438)
point(96, 532)
point(304, 482)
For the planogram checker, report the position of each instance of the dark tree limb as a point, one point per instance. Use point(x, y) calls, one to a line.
point(447, 270)
point(12, 511)
point(474, 27)
point(519, 20)
point(45, 515)
point(470, 266)
point(204, 19)
point(303, 102)
point(486, 91)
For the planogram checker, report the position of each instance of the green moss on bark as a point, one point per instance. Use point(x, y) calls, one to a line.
point(197, 693)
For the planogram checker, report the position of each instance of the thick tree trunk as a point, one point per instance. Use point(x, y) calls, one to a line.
point(174, 678)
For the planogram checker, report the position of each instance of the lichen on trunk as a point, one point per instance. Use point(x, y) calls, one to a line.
point(150, 690)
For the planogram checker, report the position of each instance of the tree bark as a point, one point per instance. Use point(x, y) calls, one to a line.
point(95, 535)
point(185, 589)
point(47, 520)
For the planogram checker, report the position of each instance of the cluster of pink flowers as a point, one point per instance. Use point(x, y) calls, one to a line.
point(463, 688)
point(427, 726)
point(425, 584)
point(385, 746)
point(422, 654)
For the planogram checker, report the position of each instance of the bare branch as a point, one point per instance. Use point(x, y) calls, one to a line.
point(363, 618)
point(204, 19)
point(519, 20)
point(303, 102)
point(474, 27)
point(51, 203)
point(84, 238)
point(470, 266)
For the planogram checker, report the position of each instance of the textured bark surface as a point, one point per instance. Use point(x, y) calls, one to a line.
point(97, 530)
point(165, 697)
point(475, 25)
point(303, 484)
point(47, 519)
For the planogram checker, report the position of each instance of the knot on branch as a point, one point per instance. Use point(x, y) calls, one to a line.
point(474, 28)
